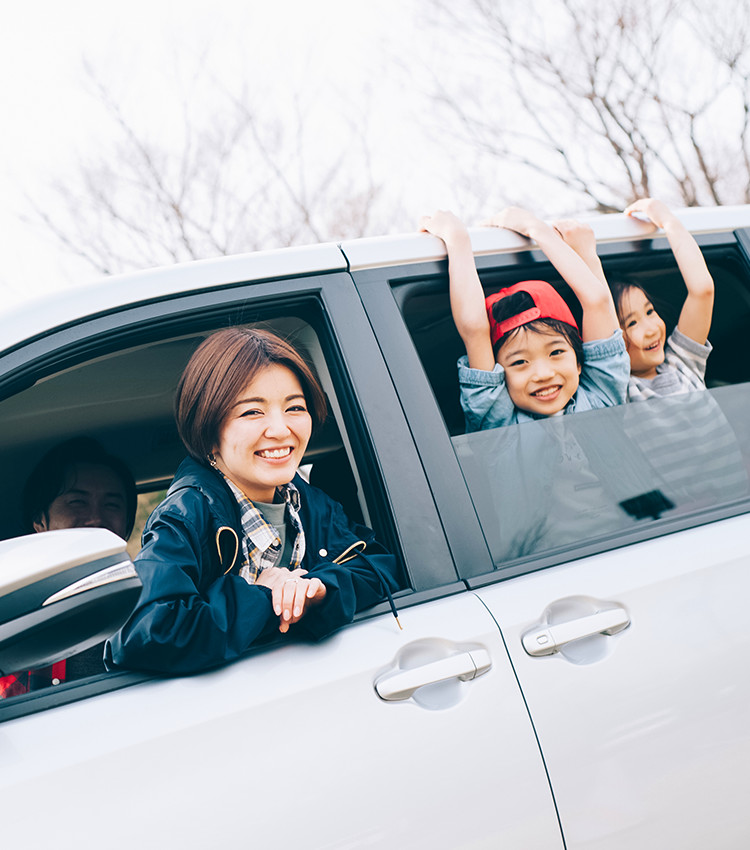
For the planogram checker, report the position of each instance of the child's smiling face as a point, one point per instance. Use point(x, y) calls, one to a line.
point(541, 370)
point(644, 330)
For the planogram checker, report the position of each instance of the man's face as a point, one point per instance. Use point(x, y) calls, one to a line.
point(94, 497)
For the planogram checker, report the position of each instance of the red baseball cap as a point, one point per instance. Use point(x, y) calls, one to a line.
point(548, 304)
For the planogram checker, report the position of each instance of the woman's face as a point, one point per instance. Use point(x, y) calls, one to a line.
point(264, 436)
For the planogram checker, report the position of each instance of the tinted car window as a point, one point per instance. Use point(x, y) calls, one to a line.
point(546, 487)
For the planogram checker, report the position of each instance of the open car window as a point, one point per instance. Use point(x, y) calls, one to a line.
point(124, 399)
point(554, 489)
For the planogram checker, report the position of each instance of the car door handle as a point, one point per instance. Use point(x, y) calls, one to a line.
point(548, 639)
point(464, 666)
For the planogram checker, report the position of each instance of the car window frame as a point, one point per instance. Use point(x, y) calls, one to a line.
point(474, 561)
point(369, 405)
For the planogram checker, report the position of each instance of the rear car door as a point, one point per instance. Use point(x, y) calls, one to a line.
point(613, 550)
point(373, 737)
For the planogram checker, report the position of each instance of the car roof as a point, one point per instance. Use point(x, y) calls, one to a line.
point(377, 251)
point(41, 314)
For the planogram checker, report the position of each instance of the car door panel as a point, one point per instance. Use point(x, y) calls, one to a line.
point(294, 748)
point(644, 731)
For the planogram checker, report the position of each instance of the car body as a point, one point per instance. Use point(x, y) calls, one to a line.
point(571, 670)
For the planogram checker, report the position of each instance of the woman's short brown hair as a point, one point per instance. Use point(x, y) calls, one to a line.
point(220, 368)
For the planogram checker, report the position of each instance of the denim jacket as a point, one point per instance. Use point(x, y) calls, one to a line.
point(603, 383)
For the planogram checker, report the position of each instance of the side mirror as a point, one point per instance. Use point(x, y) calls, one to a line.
point(62, 592)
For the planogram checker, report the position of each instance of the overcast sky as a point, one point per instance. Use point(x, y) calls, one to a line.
point(51, 120)
point(376, 62)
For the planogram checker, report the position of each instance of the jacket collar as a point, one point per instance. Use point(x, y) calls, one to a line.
point(210, 484)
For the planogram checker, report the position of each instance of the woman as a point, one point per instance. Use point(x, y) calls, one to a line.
point(242, 547)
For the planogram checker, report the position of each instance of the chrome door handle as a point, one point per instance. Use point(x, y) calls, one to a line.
point(464, 666)
point(548, 639)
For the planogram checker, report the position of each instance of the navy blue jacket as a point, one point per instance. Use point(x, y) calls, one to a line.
point(195, 611)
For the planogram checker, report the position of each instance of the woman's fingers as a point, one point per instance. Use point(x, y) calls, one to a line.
point(316, 590)
point(288, 593)
point(296, 594)
point(291, 592)
point(293, 598)
point(276, 578)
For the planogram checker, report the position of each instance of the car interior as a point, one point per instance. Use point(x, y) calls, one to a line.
point(124, 397)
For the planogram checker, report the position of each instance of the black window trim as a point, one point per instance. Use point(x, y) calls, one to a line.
point(340, 315)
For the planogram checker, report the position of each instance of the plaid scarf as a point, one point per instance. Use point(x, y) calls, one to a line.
point(261, 543)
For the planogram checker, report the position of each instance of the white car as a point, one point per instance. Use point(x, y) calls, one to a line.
point(572, 670)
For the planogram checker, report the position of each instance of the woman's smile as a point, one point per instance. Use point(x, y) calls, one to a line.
point(275, 454)
point(264, 437)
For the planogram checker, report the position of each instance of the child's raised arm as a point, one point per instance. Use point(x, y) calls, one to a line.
point(599, 314)
point(581, 239)
point(695, 316)
point(466, 293)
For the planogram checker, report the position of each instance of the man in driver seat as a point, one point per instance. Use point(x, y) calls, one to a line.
point(77, 484)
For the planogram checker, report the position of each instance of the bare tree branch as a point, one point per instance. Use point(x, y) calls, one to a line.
point(606, 106)
point(236, 182)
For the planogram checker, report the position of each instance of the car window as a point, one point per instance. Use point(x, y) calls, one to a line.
point(147, 501)
point(548, 487)
point(549, 490)
point(124, 399)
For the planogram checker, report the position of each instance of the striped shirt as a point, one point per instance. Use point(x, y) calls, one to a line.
point(691, 448)
point(683, 370)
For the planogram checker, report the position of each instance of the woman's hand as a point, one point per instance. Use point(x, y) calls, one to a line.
point(291, 593)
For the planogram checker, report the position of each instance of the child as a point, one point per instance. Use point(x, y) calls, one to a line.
point(660, 366)
point(525, 357)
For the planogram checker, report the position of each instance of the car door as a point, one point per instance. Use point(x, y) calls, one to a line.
point(644, 730)
point(294, 748)
point(615, 563)
point(374, 737)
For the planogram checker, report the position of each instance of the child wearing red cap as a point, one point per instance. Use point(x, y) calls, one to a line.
point(525, 356)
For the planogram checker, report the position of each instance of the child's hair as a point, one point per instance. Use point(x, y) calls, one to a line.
point(533, 305)
point(620, 288)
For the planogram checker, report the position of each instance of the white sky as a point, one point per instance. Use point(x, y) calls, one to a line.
point(376, 59)
point(51, 119)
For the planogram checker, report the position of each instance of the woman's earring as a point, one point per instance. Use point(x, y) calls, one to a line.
point(211, 459)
